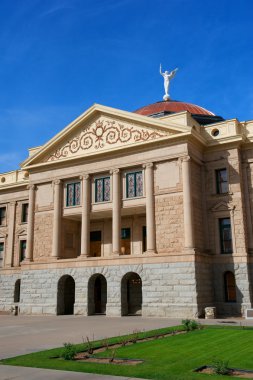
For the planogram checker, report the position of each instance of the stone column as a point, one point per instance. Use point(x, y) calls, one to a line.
point(85, 229)
point(187, 202)
point(116, 212)
point(150, 208)
point(57, 219)
point(30, 224)
point(11, 232)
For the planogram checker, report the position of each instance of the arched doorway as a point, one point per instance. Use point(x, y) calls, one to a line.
point(65, 295)
point(17, 291)
point(131, 294)
point(97, 295)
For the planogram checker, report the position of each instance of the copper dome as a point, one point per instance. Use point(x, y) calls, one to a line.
point(171, 106)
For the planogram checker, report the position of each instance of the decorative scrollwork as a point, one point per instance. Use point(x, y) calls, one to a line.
point(104, 132)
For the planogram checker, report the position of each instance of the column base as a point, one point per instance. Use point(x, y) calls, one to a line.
point(150, 252)
point(26, 261)
point(83, 256)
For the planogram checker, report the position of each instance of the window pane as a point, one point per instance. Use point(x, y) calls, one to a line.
point(222, 181)
point(2, 215)
point(99, 190)
point(70, 194)
point(77, 187)
point(130, 178)
point(225, 235)
point(24, 213)
point(73, 194)
point(107, 190)
point(139, 184)
point(22, 249)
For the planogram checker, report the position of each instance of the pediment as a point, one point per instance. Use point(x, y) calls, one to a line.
point(102, 129)
point(21, 231)
point(3, 235)
point(223, 206)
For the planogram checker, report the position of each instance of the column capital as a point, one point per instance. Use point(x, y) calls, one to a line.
point(185, 158)
point(148, 165)
point(31, 187)
point(114, 171)
point(84, 176)
point(56, 182)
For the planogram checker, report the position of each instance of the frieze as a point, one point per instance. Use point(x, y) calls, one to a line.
point(104, 133)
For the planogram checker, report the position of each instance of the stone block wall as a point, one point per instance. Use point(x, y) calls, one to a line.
point(243, 296)
point(168, 289)
point(169, 223)
point(43, 235)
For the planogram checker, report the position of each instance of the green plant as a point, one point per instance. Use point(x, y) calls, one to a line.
point(69, 351)
point(135, 336)
point(190, 324)
point(220, 367)
point(124, 340)
point(105, 343)
point(90, 347)
point(113, 356)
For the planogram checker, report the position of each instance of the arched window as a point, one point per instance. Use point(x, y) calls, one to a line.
point(17, 291)
point(230, 287)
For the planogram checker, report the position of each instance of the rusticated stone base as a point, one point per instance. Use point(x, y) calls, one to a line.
point(168, 289)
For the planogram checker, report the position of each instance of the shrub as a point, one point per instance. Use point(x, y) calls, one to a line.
point(69, 351)
point(190, 324)
point(220, 367)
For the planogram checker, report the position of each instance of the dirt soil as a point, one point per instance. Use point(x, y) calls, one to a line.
point(234, 373)
point(86, 357)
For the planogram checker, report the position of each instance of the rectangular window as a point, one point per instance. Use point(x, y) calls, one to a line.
point(2, 216)
point(1, 253)
point(102, 189)
point(73, 194)
point(225, 235)
point(24, 216)
point(125, 241)
point(134, 185)
point(22, 249)
point(221, 181)
point(144, 238)
point(95, 243)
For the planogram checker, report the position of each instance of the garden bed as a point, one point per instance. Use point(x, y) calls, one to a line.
point(233, 372)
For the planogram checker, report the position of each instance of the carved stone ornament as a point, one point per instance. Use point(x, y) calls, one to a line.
point(103, 134)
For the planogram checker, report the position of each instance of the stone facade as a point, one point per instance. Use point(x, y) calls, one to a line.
point(169, 245)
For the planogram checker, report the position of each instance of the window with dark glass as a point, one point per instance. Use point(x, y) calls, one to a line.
point(2, 216)
point(24, 217)
point(134, 184)
point(221, 181)
point(230, 287)
point(125, 241)
point(73, 194)
point(22, 249)
point(102, 189)
point(1, 253)
point(144, 238)
point(225, 235)
point(95, 243)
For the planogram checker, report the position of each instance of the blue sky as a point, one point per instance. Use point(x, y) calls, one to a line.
point(58, 57)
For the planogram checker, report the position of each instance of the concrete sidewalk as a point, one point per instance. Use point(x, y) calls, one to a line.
point(24, 373)
point(25, 334)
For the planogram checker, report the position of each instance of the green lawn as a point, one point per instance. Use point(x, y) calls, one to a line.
point(172, 357)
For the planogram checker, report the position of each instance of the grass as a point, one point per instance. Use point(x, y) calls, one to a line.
point(172, 358)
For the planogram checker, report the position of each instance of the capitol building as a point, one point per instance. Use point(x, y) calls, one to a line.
point(132, 213)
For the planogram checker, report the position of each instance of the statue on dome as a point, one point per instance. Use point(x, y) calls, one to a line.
point(167, 77)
